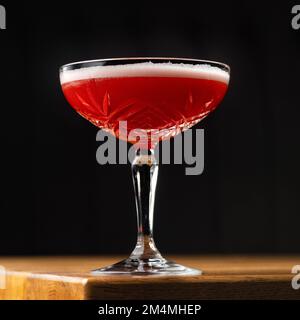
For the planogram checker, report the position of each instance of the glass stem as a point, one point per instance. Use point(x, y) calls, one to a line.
point(144, 174)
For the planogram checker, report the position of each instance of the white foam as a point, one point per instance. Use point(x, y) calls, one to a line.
point(147, 69)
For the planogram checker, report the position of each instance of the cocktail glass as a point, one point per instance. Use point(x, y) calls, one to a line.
point(157, 98)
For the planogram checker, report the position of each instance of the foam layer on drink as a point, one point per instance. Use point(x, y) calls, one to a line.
point(147, 69)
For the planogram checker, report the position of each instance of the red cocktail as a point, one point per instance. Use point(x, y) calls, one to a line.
point(161, 98)
point(158, 98)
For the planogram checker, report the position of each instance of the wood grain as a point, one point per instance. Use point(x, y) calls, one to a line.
point(224, 277)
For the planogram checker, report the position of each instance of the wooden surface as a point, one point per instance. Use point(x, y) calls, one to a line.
point(225, 277)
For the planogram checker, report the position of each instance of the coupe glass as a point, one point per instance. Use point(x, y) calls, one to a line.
point(157, 98)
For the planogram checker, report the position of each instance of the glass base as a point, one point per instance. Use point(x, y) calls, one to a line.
point(146, 267)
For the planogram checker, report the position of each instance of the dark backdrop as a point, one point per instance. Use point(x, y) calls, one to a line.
point(56, 199)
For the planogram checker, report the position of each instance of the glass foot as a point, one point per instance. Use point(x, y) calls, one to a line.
point(146, 267)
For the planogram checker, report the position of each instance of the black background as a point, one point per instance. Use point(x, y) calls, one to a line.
point(56, 199)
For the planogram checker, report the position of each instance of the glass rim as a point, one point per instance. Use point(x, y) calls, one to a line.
point(69, 66)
